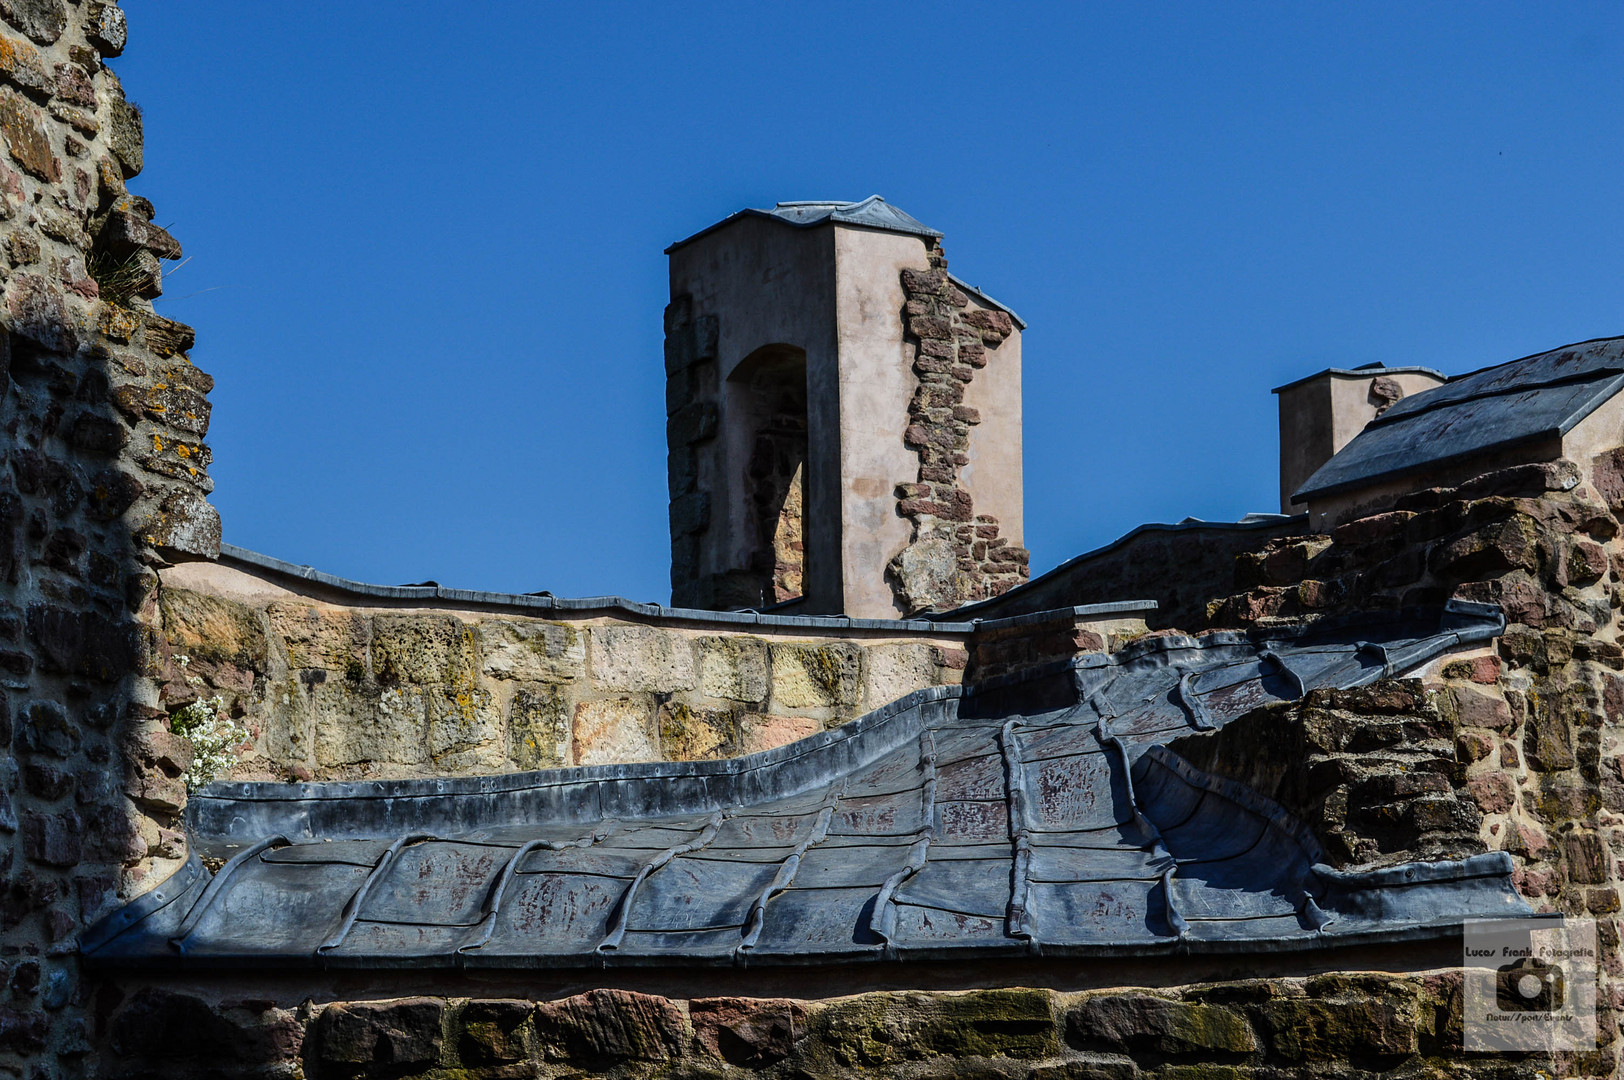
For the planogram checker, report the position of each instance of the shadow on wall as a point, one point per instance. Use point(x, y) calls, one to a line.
point(104, 480)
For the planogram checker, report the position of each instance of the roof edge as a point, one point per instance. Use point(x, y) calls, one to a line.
point(1365, 372)
point(984, 298)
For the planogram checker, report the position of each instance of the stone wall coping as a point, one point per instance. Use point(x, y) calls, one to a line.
point(1374, 371)
point(230, 554)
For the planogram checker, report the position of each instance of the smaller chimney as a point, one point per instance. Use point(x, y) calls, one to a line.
point(1321, 414)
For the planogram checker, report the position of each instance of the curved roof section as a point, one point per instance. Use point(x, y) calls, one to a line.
point(1538, 397)
point(1034, 815)
point(872, 213)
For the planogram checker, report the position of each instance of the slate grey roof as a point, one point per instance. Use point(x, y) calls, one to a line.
point(873, 212)
point(1037, 815)
point(1538, 397)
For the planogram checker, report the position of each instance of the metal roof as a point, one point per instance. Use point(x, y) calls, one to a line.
point(1038, 815)
point(873, 213)
point(1538, 397)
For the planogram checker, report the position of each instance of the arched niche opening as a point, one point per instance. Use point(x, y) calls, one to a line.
point(768, 388)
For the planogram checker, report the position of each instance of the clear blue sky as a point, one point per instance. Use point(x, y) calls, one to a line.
point(426, 239)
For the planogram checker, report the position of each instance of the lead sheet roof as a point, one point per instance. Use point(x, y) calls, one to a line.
point(1041, 816)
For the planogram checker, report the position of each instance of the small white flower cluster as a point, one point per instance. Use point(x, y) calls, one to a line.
point(215, 737)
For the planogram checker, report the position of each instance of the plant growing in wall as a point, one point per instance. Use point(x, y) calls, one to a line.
point(215, 737)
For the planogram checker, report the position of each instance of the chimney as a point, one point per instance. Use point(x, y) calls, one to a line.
point(1321, 414)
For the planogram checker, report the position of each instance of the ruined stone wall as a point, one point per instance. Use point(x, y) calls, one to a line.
point(1181, 567)
point(104, 479)
point(954, 556)
point(1526, 742)
point(1346, 1025)
point(336, 687)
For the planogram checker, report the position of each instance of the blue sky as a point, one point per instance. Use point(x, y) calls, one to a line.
point(425, 239)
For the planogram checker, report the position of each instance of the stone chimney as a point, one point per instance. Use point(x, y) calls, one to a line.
point(1321, 414)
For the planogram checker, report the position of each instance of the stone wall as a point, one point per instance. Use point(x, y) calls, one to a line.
point(104, 480)
point(337, 688)
point(1344, 1025)
point(954, 556)
point(1182, 567)
point(1536, 727)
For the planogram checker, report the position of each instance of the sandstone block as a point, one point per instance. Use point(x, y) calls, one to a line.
point(886, 1029)
point(35, 309)
point(494, 1032)
point(42, 20)
point(1362, 1025)
point(816, 676)
point(423, 650)
point(531, 651)
point(642, 658)
point(53, 839)
point(20, 63)
point(106, 27)
point(614, 731)
point(694, 734)
point(607, 1027)
point(892, 671)
point(1141, 1023)
point(405, 1034)
point(538, 724)
point(765, 733)
point(184, 523)
point(353, 727)
point(748, 1032)
point(125, 137)
point(733, 668)
point(213, 628)
point(23, 127)
point(314, 637)
point(463, 722)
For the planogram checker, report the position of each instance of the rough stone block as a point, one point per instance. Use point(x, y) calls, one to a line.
point(759, 732)
point(614, 731)
point(640, 658)
point(463, 721)
point(892, 671)
point(694, 734)
point(733, 668)
point(331, 638)
point(816, 676)
point(1362, 1026)
point(538, 725)
point(213, 628)
point(184, 523)
point(1139, 1023)
point(887, 1029)
point(532, 651)
point(404, 1034)
point(748, 1032)
point(23, 127)
point(423, 650)
point(607, 1027)
point(353, 728)
point(494, 1032)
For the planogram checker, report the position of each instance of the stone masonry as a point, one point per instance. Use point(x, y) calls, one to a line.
point(105, 481)
point(1348, 1026)
point(345, 691)
point(955, 556)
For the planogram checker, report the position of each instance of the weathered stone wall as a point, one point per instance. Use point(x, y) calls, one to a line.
point(104, 480)
point(954, 556)
point(337, 688)
point(1181, 567)
point(1345, 1025)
